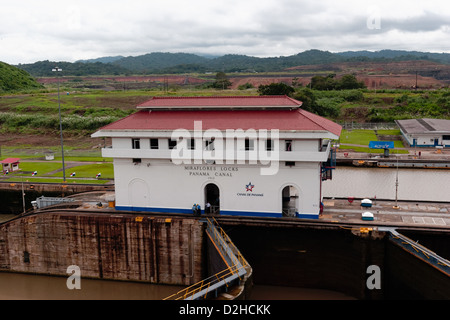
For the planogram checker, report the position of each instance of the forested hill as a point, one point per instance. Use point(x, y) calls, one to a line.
point(397, 55)
point(44, 68)
point(15, 79)
point(159, 62)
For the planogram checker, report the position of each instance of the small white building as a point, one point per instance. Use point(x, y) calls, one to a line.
point(255, 156)
point(10, 165)
point(425, 132)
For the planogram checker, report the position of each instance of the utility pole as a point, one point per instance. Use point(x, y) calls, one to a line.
point(396, 187)
point(416, 80)
point(23, 198)
point(56, 69)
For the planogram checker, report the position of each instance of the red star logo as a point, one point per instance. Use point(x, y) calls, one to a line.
point(249, 187)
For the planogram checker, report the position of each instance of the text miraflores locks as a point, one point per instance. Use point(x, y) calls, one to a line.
point(211, 171)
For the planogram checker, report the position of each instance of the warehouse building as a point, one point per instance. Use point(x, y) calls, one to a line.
point(425, 132)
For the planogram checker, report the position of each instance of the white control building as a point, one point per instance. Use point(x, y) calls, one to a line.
point(243, 155)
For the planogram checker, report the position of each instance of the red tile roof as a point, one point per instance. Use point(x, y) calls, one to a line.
point(220, 101)
point(284, 120)
point(10, 160)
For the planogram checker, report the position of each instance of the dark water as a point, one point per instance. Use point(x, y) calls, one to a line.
point(16, 286)
point(262, 292)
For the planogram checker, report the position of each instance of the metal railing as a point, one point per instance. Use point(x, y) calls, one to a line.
point(236, 267)
point(431, 256)
point(419, 250)
point(368, 125)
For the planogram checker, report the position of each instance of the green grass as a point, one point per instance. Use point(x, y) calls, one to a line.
point(27, 152)
point(82, 171)
point(40, 167)
point(46, 173)
point(90, 171)
point(43, 180)
point(362, 138)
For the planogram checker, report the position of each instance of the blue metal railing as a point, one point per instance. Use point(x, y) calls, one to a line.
point(330, 165)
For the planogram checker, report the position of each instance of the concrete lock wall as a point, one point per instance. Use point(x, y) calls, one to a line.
point(338, 259)
point(129, 248)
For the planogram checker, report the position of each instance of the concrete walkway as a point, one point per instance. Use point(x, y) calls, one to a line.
point(413, 153)
point(408, 213)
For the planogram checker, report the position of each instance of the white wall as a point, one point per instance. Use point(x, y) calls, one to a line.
point(426, 139)
point(160, 184)
point(297, 145)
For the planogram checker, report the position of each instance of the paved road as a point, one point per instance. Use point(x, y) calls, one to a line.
point(413, 153)
point(415, 213)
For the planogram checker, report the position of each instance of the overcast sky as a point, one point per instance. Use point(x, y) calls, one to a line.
point(64, 30)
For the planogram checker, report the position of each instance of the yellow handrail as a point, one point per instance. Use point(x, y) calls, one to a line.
point(221, 275)
point(189, 291)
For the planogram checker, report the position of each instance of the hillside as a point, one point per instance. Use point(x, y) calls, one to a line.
point(182, 63)
point(102, 59)
point(15, 79)
point(157, 61)
point(397, 55)
point(44, 68)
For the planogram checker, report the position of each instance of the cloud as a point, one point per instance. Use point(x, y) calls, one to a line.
point(55, 30)
point(425, 22)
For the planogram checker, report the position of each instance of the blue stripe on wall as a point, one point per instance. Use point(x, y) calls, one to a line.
point(222, 212)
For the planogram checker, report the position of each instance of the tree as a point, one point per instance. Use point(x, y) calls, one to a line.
point(349, 81)
point(222, 81)
point(323, 83)
point(277, 89)
point(312, 104)
point(308, 99)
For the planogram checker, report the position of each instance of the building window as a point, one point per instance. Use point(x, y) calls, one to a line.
point(191, 144)
point(136, 143)
point(249, 144)
point(172, 144)
point(446, 137)
point(137, 161)
point(154, 144)
point(269, 145)
point(290, 164)
point(288, 145)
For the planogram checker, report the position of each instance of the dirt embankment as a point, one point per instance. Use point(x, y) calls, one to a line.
point(170, 79)
point(257, 81)
point(83, 142)
point(389, 75)
point(375, 75)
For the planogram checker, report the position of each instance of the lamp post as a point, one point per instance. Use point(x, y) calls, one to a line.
point(56, 69)
point(396, 188)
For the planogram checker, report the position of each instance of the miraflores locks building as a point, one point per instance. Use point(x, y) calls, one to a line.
point(243, 155)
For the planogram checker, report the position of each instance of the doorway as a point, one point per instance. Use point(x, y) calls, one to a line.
point(436, 142)
point(212, 196)
point(138, 194)
point(289, 198)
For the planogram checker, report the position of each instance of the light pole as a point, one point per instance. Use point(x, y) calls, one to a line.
point(396, 187)
point(56, 69)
